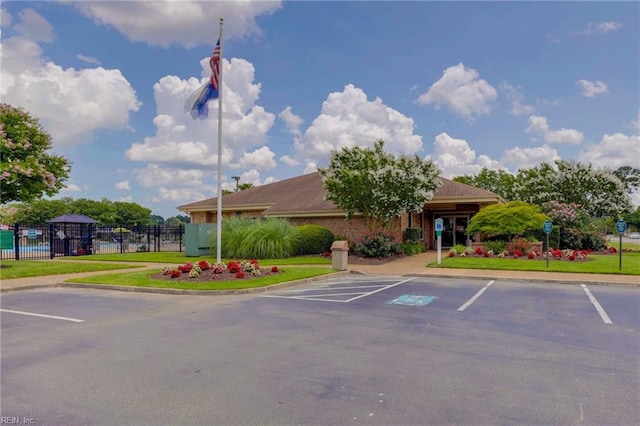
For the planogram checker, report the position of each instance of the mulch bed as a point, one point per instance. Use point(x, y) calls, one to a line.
point(208, 275)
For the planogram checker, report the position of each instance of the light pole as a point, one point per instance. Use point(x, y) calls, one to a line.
point(237, 179)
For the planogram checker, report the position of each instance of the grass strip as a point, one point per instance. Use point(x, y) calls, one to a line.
point(180, 257)
point(37, 268)
point(598, 264)
point(142, 279)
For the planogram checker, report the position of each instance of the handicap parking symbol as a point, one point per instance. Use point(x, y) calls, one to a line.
point(411, 300)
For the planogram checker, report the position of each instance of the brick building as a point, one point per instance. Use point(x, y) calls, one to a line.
point(301, 199)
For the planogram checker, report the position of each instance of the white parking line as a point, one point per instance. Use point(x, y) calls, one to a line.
point(475, 297)
point(41, 315)
point(380, 289)
point(321, 296)
point(597, 305)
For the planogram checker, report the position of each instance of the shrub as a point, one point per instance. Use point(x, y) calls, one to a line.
point(274, 269)
point(521, 244)
point(376, 244)
point(412, 248)
point(313, 239)
point(272, 238)
point(593, 241)
point(496, 246)
point(413, 235)
point(459, 248)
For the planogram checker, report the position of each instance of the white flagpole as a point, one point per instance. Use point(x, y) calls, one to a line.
point(219, 212)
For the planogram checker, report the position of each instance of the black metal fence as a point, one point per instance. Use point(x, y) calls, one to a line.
point(37, 241)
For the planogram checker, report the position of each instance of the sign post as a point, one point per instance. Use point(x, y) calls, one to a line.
point(621, 226)
point(547, 227)
point(439, 227)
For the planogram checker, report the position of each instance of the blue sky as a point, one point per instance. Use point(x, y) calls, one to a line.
point(504, 85)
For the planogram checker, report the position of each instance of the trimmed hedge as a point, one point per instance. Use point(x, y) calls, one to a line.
point(313, 239)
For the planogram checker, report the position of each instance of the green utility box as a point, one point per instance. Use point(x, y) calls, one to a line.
point(6, 240)
point(198, 238)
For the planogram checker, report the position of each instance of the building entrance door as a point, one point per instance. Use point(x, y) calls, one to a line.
point(454, 229)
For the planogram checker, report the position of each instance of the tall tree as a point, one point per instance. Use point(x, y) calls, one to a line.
point(27, 170)
point(499, 182)
point(630, 177)
point(378, 185)
point(40, 211)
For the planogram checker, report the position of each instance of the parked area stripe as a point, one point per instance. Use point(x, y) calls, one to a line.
point(475, 297)
point(298, 290)
point(380, 289)
point(597, 305)
point(41, 315)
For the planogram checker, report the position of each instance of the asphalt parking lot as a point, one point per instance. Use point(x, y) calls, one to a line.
point(343, 350)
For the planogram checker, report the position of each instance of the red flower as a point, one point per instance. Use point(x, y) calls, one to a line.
point(204, 265)
point(486, 254)
point(478, 251)
point(326, 254)
point(451, 254)
point(240, 274)
point(233, 267)
point(274, 269)
point(572, 257)
point(531, 255)
point(174, 273)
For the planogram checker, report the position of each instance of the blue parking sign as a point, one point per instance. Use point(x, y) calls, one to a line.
point(621, 226)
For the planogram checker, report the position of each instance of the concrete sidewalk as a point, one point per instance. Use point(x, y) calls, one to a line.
point(407, 266)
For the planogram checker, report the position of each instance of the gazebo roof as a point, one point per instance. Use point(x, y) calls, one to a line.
point(72, 218)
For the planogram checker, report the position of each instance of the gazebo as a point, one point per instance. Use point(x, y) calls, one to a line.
point(72, 235)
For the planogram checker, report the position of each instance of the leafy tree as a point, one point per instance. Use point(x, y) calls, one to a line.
point(244, 186)
point(131, 214)
point(40, 211)
point(175, 221)
point(499, 182)
point(597, 191)
point(156, 219)
point(378, 185)
point(633, 219)
point(100, 211)
point(513, 219)
point(27, 171)
point(630, 177)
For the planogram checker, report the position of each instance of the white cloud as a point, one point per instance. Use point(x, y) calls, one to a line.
point(261, 159)
point(73, 187)
point(91, 98)
point(183, 153)
point(462, 91)
point(525, 158)
point(614, 151)
point(180, 140)
point(291, 120)
point(349, 119)
point(179, 22)
point(455, 157)
point(515, 96)
point(538, 124)
point(124, 185)
point(289, 161)
point(600, 27)
point(34, 26)
point(311, 167)
point(591, 89)
point(88, 59)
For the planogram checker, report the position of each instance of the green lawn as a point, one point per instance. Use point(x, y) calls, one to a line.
point(180, 257)
point(37, 268)
point(599, 264)
point(142, 279)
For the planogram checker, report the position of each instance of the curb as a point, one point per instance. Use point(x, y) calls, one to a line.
point(176, 291)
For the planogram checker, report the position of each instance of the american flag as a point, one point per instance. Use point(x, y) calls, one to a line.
point(196, 104)
point(214, 63)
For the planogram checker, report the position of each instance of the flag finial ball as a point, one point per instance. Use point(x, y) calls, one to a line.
point(221, 19)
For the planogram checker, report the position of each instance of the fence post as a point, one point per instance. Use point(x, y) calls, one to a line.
point(180, 239)
point(16, 241)
point(51, 236)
